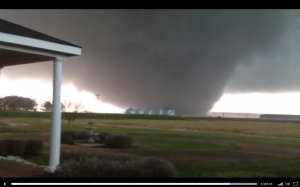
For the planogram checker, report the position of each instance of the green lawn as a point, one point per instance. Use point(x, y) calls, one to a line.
point(265, 168)
point(147, 139)
point(165, 143)
point(295, 143)
point(6, 130)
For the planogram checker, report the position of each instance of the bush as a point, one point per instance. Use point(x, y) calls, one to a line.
point(77, 156)
point(118, 141)
point(103, 135)
point(157, 168)
point(67, 137)
point(16, 147)
point(80, 135)
point(4, 147)
point(33, 147)
point(84, 165)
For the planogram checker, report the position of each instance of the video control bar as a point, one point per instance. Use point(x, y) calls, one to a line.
point(290, 184)
point(125, 184)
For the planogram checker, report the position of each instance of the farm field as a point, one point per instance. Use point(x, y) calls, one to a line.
point(196, 147)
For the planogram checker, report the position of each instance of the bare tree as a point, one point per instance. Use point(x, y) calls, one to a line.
point(70, 111)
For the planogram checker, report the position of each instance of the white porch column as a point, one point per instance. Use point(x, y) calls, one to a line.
point(0, 94)
point(0, 77)
point(56, 116)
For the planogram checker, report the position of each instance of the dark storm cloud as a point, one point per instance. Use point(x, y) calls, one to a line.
point(141, 58)
point(278, 72)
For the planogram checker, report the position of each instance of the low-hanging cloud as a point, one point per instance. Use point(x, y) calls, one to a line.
point(274, 73)
point(152, 58)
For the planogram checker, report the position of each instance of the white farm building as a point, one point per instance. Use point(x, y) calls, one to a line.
point(130, 111)
point(138, 111)
point(148, 111)
point(168, 111)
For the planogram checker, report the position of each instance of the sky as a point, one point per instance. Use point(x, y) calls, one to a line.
point(192, 60)
point(69, 95)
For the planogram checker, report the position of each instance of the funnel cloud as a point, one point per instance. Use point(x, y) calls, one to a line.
point(153, 58)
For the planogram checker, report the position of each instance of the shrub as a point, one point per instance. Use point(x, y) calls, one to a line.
point(157, 168)
point(67, 137)
point(118, 141)
point(80, 135)
point(16, 147)
point(77, 156)
point(103, 135)
point(33, 147)
point(4, 147)
point(113, 165)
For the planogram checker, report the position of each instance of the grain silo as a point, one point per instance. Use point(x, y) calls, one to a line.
point(139, 111)
point(167, 111)
point(130, 111)
point(148, 111)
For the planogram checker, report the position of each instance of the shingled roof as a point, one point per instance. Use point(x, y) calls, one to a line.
point(15, 29)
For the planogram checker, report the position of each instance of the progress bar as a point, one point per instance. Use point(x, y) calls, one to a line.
point(126, 184)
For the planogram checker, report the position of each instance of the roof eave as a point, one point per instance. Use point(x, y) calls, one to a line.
point(62, 49)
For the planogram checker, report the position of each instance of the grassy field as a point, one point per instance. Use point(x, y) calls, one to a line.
point(18, 114)
point(90, 115)
point(196, 147)
point(284, 168)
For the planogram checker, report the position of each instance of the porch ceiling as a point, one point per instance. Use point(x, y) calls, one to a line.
point(11, 58)
point(21, 45)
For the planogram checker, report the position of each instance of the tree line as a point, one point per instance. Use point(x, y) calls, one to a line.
point(18, 103)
